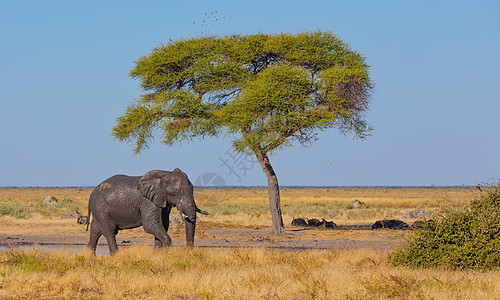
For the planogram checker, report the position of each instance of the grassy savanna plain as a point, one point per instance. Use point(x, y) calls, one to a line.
point(236, 273)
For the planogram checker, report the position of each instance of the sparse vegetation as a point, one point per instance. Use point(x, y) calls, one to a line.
point(25, 211)
point(26, 203)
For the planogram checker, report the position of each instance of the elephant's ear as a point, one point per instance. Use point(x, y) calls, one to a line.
point(153, 186)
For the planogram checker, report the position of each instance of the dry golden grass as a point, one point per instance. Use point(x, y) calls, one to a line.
point(39, 225)
point(183, 273)
point(30, 195)
point(402, 197)
point(392, 196)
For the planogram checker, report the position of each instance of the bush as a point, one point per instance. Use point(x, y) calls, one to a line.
point(462, 239)
point(4, 209)
point(45, 210)
point(16, 210)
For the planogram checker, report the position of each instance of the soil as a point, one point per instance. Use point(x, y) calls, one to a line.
point(342, 237)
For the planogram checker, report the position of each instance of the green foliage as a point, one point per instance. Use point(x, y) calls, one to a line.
point(25, 262)
point(39, 262)
point(463, 239)
point(270, 90)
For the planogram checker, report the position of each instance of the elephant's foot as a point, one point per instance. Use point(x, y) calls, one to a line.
point(167, 242)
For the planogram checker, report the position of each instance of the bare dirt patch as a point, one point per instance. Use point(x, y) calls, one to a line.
point(212, 236)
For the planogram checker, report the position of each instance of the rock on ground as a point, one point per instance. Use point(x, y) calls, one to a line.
point(50, 200)
point(357, 204)
point(299, 222)
point(417, 214)
point(313, 223)
point(73, 214)
point(328, 224)
point(391, 224)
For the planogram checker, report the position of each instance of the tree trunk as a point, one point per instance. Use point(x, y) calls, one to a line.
point(274, 194)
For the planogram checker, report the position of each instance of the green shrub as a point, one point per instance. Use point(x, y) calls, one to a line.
point(5, 209)
point(20, 211)
point(462, 239)
point(16, 210)
point(45, 210)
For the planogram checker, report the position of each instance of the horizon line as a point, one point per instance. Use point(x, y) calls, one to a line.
point(259, 186)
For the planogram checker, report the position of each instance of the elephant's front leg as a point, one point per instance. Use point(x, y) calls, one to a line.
point(153, 224)
point(165, 219)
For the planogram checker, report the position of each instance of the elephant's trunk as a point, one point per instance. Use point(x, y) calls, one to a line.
point(188, 213)
point(190, 229)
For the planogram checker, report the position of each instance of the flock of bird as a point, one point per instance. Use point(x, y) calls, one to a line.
point(207, 20)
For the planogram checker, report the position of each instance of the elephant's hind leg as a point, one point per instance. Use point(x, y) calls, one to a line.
point(97, 229)
point(109, 233)
point(95, 234)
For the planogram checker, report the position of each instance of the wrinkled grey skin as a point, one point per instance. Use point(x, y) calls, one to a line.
point(125, 202)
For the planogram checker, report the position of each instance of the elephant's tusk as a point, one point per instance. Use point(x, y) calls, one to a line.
point(184, 216)
point(201, 211)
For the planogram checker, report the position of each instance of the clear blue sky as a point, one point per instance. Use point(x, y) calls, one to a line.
point(64, 80)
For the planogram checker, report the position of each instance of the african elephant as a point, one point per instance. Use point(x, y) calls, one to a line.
point(125, 202)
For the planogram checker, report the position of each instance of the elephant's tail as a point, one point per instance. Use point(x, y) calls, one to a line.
point(88, 219)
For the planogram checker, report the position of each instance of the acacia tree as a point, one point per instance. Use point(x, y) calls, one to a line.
point(267, 91)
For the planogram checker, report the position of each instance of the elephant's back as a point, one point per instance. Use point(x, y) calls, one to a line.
point(123, 180)
point(117, 186)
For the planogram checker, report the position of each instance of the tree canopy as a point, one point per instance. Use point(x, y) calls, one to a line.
point(266, 90)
